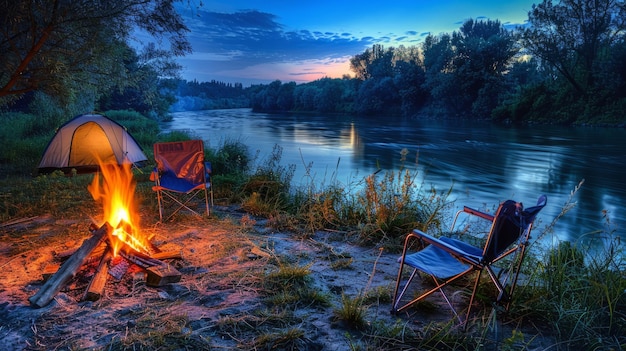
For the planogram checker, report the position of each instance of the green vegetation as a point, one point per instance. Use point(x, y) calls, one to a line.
point(542, 73)
point(581, 294)
point(82, 54)
point(379, 209)
point(577, 295)
point(539, 74)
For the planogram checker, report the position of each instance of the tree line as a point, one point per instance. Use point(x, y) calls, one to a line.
point(564, 66)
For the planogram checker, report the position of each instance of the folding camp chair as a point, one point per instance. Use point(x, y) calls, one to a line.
point(448, 259)
point(181, 176)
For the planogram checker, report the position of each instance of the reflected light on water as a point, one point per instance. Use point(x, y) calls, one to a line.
point(485, 164)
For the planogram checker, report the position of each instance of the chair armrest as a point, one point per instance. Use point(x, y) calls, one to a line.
point(477, 213)
point(154, 175)
point(470, 211)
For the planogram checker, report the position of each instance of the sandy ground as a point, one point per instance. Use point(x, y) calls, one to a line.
point(223, 267)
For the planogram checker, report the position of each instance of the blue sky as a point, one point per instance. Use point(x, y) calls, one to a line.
point(251, 42)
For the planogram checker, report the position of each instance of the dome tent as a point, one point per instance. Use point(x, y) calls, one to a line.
point(85, 139)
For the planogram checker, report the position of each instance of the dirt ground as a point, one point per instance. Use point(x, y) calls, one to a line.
point(216, 305)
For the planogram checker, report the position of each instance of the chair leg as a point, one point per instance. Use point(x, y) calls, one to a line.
point(439, 285)
point(160, 202)
point(503, 296)
point(206, 201)
point(397, 297)
point(180, 202)
point(471, 301)
point(445, 297)
point(515, 275)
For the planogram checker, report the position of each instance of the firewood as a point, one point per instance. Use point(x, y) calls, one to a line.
point(141, 260)
point(162, 275)
point(168, 255)
point(99, 280)
point(95, 254)
point(65, 254)
point(118, 268)
point(68, 270)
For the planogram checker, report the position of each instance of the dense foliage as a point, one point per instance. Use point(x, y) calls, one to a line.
point(78, 50)
point(564, 66)
point(195, 96)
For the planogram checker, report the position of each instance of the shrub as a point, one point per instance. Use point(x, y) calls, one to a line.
point(267, 190)
point(231, 157)
point(581, 294)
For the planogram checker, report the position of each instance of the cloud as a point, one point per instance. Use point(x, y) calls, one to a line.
point(306, 73)
point(250, 37)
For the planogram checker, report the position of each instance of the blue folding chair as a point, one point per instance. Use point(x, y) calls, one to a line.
point(446, 260)
point(181, 176)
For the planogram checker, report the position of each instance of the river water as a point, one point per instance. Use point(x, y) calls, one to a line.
point(483, 163)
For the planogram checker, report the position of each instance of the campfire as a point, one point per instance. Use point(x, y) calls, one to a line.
point(115, 245)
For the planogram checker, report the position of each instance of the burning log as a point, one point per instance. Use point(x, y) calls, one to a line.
point(119, 268)
point(141, 261)
point(68, 270)
point(97, 283)
point(165, 255)
point(158, 273)
point(95, 254)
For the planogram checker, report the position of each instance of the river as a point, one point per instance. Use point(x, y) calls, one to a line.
point(483, 163)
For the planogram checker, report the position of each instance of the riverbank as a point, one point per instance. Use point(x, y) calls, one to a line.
point(226, 298)
point(562, 283)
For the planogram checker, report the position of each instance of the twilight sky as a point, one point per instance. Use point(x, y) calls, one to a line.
point(258, 41)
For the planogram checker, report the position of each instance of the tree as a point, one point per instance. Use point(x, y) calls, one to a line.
point(465, 71)
point(146, 74)
point(376, 62)
point(45, 45)
point(410, 85)
point(265, 97)
point(576, 37)
point(329, 95)
point(438, 59)
point(304, 96)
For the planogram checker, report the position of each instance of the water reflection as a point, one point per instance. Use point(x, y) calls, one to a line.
point(484, 163)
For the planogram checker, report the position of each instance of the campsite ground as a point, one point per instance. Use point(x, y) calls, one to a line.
point(223, 299)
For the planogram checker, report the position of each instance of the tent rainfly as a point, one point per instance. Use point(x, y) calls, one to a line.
point(85, 139)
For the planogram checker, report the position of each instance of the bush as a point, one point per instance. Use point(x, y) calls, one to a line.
point(267, 190)
point(27, 136)
point(582, 294)
point(232, 157)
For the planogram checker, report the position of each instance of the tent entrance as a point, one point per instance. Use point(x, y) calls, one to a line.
point(89, 142)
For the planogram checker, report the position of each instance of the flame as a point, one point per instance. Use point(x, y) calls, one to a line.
point(114, 187)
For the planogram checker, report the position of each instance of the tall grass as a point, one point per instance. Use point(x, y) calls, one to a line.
point(577, 289)
point(382, 207)
point(581, 294)
point(24, 138)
